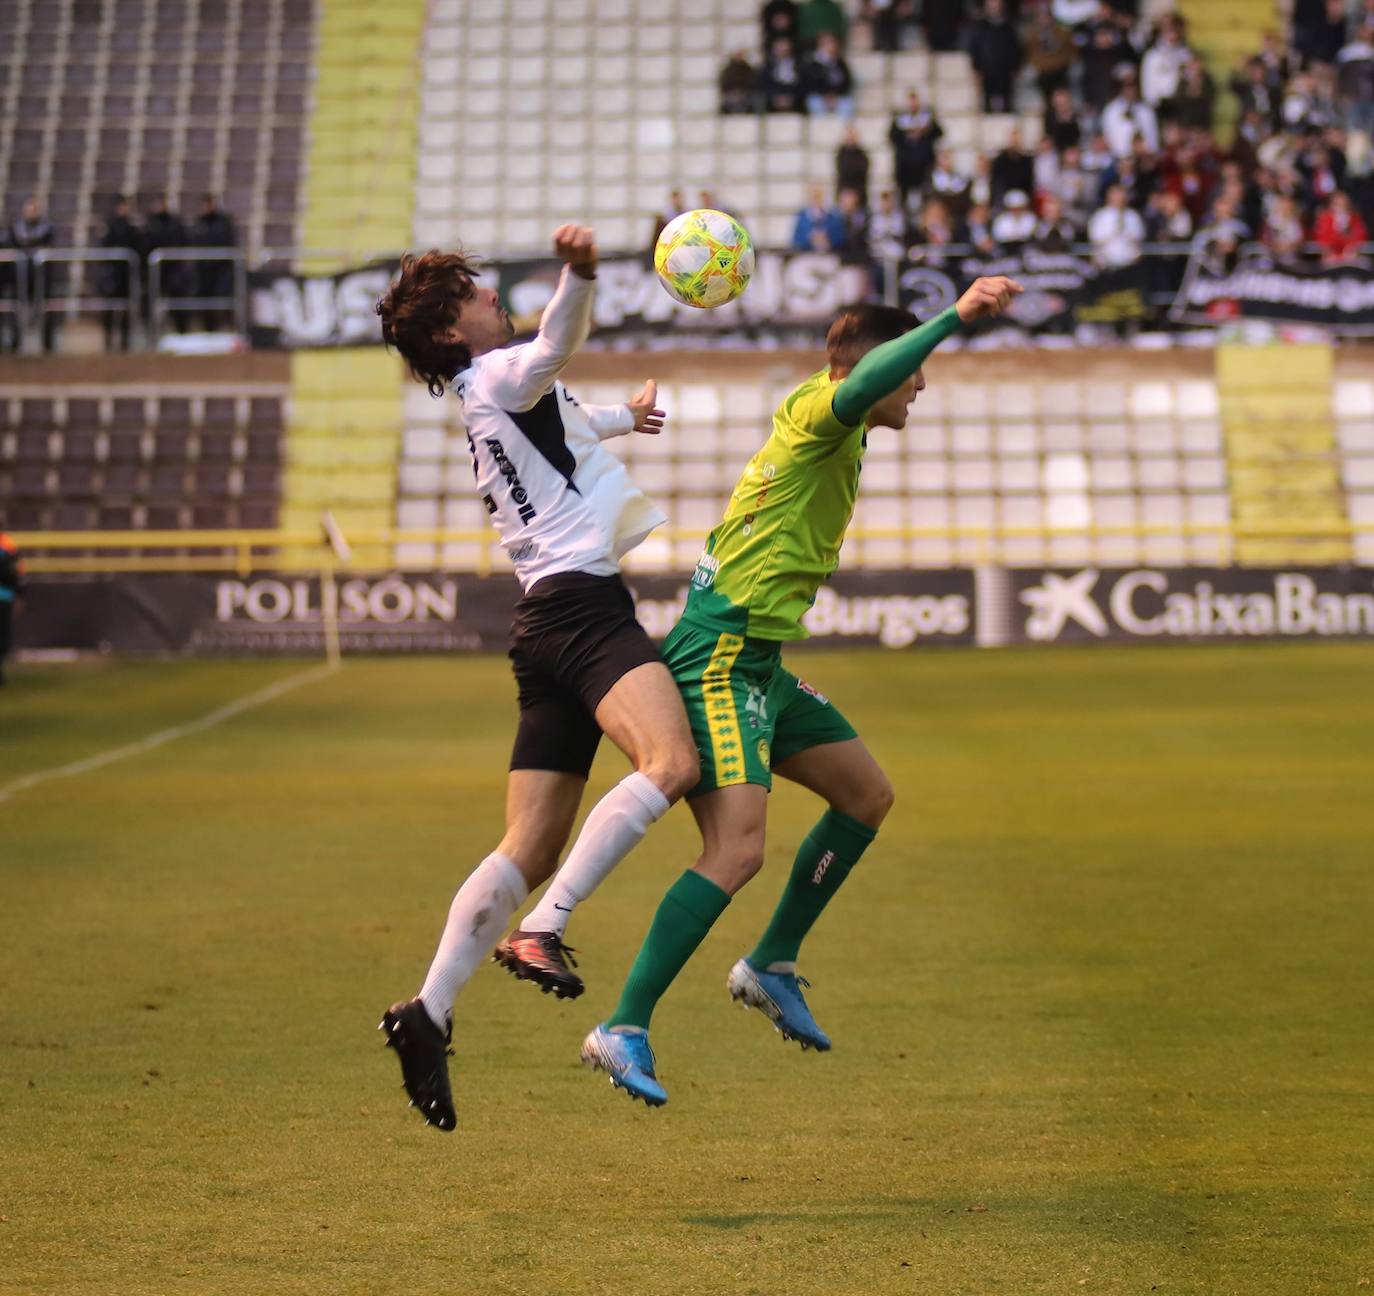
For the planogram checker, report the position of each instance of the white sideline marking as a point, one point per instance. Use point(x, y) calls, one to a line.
point(163, 736)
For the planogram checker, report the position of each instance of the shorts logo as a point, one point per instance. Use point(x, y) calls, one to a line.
point(815, 693)
point(756, 707)
point(826, 861)
point(765, 755)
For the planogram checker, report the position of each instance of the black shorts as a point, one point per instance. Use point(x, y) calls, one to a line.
point(573, 637)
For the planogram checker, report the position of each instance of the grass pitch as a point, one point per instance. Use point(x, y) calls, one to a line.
point(1101, 994)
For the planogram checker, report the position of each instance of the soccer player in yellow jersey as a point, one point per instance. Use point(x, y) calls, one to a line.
point(751, 718)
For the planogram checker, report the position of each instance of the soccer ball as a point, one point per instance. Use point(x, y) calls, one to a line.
point(704, 258)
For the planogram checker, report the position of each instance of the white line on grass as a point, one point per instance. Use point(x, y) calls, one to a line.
point(218, 716)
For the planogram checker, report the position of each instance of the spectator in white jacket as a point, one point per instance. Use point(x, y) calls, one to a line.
point(1127, 116)
point(1015, 225)
point(1116, 230)
point(1161, 70)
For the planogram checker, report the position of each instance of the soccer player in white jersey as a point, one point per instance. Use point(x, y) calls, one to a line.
point(566, 511)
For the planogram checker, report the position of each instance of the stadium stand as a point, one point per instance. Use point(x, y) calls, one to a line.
point(548, 130)
point(358, 192)
point(1224, 32)
point(1015, 455)
point(249, 95)
point(343, 428)
point(161, 457)
point(540, 132)
point(181, 97)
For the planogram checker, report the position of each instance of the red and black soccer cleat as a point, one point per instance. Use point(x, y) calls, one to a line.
point(542, 958)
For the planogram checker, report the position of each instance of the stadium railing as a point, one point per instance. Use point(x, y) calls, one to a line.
point(244, 552)
point(51, 296)
point(14, 289)
point(56, 282)
point(164, 304)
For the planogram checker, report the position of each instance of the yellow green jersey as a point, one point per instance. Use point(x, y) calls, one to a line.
point(783, 528)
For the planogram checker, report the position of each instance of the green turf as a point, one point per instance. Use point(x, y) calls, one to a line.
point(1102, 997)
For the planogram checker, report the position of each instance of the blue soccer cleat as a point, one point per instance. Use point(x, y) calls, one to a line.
point(625, 1056)
point(778, 994)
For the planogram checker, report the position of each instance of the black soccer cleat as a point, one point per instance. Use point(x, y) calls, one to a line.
point(542, 958)
point(424, 1052)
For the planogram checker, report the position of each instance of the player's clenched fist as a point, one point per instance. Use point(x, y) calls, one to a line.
point(576, 244)
point(987, 297)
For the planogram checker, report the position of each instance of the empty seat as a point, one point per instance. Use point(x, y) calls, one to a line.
point(79, 446)
point(217, 446)
point(220, 411)
point(115, 517)
point(75, 479)
point(122, 479)
point(124, 445)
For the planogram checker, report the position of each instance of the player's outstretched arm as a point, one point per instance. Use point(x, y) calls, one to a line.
point(888, 366)
point(567, 319)
point(641, 414)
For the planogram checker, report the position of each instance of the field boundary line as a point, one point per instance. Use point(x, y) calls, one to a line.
point(163, 736)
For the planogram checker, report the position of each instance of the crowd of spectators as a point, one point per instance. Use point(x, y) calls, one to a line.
point(1129, 152)
point(803, 68)
point(160, 228)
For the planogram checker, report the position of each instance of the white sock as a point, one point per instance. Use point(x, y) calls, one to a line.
point(476, 920)
point(614, 828)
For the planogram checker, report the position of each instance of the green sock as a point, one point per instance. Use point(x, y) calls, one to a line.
point(684, 916)
point(830, 850)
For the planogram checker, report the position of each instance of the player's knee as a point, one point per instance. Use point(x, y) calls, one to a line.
point(874, 802)
point(734, 865)
point(675, 770)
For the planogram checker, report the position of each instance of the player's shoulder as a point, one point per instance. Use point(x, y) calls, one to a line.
point(808, 406)
point(811, 385)
point(481, 373)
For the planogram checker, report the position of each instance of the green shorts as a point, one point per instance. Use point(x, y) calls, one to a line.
point(745, 710)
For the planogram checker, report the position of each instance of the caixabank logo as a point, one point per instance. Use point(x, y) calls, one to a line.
point(1162, 603)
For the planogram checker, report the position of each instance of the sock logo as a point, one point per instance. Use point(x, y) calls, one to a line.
point(826, 861)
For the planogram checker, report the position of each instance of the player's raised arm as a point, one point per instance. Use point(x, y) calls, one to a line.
point(566, 322)
point(639, 414)
point(886, 367)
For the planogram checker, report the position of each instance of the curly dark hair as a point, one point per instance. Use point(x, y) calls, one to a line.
point(420, 306)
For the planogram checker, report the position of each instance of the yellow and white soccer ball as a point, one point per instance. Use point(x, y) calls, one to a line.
point(704, 258)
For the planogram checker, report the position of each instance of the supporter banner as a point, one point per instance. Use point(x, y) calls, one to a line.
point(268, 614)
point(795, 296)
point(1159, 604)
point(791, 299)
point(1062, 289)
point(290, 312)
point(789, 293)
point(1338, 298)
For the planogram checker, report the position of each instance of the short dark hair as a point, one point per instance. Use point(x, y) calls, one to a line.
point(858, 329)
point(420, 306)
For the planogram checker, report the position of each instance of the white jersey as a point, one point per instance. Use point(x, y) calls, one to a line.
point(561, 501)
